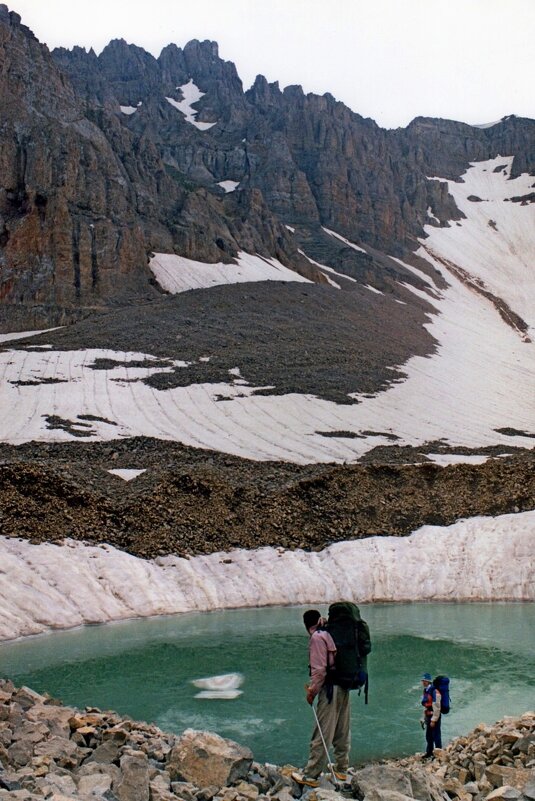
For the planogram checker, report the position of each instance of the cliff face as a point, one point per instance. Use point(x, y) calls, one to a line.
point(107, 158)
point(68, 228)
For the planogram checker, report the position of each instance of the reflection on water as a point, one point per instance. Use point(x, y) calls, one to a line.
point(145, 669)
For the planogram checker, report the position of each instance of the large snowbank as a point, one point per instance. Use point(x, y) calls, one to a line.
point(53, 586)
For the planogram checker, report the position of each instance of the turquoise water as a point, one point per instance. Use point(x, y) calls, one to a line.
point(144, 669)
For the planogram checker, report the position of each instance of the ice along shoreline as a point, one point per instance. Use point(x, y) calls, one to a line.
point(64, 586)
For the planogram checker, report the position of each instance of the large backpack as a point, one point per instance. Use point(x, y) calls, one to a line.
point(351, 636)
point(442, 684)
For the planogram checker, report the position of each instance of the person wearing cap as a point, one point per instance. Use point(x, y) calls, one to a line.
point(431, 700)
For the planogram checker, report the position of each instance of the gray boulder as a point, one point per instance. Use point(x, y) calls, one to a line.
point(529, 789)
point(160, 789)
point(188, 791)
point(504, 793)
point(500, 775)
point(107, 753)
point(205, 758)
point(387, 783)
point(382, 794)
point(65, 752)
point(27, 697)
point(6, 734)
point(33, 732)
point(94, 784)
point(20, 753)
point(134, 782)
point(57, 783)
point(56, 718)
point(98, 769)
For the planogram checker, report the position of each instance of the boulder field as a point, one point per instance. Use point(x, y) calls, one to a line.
point(60, 753)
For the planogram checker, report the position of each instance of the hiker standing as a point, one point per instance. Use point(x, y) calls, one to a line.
point(333, 711)
point(431, 702)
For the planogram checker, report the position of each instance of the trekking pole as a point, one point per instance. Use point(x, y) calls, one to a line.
point(330, 764)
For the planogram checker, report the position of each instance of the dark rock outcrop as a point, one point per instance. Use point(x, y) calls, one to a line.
point(70, 236)
point(87, 191)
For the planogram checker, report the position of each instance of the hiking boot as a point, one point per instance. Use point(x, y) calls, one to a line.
point(308, 781)
point(340, 775)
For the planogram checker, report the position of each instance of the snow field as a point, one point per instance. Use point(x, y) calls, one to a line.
point(481, 377)
point(177, 274)
point(496, 243)
point(53, 586)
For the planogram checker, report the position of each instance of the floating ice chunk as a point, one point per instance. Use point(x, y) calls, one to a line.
point(128, 109)
point(221, 695)
point(226, 681)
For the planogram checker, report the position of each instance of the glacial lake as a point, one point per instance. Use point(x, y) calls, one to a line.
point(144, 668)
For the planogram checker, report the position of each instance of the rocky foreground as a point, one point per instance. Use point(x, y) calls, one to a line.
point(60, 753)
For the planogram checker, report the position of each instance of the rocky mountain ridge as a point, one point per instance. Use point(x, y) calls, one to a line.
point(89, 190)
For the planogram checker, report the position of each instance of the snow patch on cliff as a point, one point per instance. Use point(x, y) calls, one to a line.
point(191, 94)
point(229, 186)
point(343, 239)
point(178, 274)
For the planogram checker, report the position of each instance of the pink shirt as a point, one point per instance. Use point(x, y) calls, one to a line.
point(321, 650)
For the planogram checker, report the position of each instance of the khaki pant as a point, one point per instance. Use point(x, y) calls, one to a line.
point(334, 719)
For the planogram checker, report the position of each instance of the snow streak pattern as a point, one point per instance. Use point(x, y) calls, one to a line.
point(476, 387)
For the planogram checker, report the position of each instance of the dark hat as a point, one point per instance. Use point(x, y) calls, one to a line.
point(426, 677)
point(311, 618)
